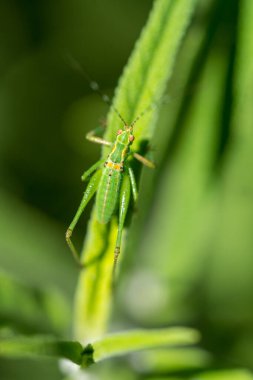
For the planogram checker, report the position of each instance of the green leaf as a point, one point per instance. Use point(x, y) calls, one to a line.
point(179, 206)
point(236, 374)
point(143, 82)
point(32, 310)
point(41, 346)
point(130, 341)
point(93, 294)
point(243, 89)
point(145, 77)
point(110, 346)
point(231, 304)
point(172, 360)
point(28, 240)
point(206, 215)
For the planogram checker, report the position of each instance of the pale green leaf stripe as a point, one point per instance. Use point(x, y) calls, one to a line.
point(93, 294)
point(150, 66)
point(123, 343)
point(41, 346)
point(143, 82)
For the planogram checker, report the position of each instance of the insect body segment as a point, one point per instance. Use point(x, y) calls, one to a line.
point(110, 183)
point(106, 195)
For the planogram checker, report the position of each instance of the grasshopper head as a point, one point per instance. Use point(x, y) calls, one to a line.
point(125, 136)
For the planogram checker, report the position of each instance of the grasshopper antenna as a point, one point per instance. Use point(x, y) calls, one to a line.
point(163, 99)
point(146, 110)
point(94, 85)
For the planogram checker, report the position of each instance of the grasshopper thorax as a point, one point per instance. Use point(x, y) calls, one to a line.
point(125, 136)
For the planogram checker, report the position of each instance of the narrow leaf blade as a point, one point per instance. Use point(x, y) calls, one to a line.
point(41, 346)
point(130, 341)
point(143, 83)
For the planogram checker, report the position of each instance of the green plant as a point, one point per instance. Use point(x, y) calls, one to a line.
point(197, 193)
point(143, 82)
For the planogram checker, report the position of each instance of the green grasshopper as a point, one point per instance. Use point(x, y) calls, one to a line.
point(113, 179)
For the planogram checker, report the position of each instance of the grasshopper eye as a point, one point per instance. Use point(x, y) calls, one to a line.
point(119, 132)
point(131, 138)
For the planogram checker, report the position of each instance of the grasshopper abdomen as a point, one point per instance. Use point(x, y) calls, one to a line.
point(107, 194)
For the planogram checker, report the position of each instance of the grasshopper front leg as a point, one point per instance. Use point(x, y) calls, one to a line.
point(92, 136)
point(89, 192)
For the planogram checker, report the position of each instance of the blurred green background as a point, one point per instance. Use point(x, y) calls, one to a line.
point(189, 260)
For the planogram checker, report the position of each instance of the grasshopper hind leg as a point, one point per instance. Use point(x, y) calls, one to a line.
point(124, 199)
point(88, 194)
